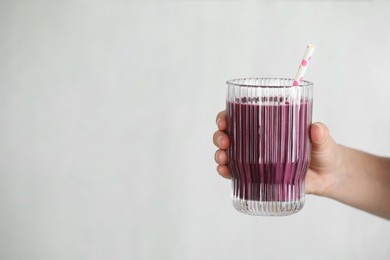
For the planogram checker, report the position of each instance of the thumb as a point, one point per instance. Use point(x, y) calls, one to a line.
point(320, 138)
point(323, 149)
point(324, 159)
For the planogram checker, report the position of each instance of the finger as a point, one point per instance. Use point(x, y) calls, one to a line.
point(221, 120)
point(224, 171)
point(322, 142)
point(319, 133)
point(221, 140)
point(221, 157)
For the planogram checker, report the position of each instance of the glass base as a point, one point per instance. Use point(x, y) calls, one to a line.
point(268, 208)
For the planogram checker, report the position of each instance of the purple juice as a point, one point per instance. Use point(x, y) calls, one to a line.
point(269, 151)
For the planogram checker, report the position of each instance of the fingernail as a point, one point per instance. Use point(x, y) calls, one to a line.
point(321, 132)
point(219, 140)
point(216, 156)
point(218, 120)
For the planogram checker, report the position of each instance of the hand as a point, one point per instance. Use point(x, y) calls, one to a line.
point(326, 159)
point(221, 140)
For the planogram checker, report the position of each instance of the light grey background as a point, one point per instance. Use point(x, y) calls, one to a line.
point(107, 112)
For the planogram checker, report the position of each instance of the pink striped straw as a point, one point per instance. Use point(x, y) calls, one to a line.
point(304, 64)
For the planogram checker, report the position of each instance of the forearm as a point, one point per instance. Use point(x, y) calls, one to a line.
point(363, 182)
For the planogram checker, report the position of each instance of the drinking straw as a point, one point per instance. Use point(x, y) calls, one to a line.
point(304, 64)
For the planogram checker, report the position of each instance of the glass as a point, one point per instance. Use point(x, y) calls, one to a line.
point(269, 153)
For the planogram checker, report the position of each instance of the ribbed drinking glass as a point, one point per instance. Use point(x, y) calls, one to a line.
point(269, 154)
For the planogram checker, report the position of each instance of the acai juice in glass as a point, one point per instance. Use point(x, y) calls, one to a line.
point(269, 154)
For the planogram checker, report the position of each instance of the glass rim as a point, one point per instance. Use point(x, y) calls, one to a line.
point(235, 82)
